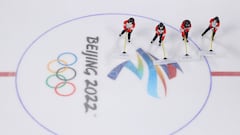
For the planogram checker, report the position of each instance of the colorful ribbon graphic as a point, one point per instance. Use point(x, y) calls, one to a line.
point(154, 70)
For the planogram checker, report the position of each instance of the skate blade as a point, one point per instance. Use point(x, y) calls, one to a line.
point(164, 62)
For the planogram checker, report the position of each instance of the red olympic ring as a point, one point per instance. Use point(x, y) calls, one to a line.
point(65, 95)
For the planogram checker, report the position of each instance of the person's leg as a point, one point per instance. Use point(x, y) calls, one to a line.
point(123, 31)
point(154, 38)
point(160, 38)
point(213, 34)
point(186, 34)
point(205, 31)
point(129, 36)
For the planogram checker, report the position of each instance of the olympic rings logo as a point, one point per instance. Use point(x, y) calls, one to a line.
point(62, 86)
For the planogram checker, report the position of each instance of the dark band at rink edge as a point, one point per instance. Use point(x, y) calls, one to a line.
point(104, 14)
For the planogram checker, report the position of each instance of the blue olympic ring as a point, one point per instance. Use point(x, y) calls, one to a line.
point(67, 53)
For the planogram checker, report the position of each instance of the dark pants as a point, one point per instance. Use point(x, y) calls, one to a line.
point(186, 35)
point(129, 34)
point(155, 37)
point(213, 34)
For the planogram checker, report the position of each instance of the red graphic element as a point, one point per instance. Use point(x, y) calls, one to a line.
point(222, 73)
point(7, 74)
point(172, 71)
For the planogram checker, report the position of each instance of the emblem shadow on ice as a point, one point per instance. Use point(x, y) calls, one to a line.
point(155, 71)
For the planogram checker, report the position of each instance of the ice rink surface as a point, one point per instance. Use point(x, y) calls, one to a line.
point(202, 99)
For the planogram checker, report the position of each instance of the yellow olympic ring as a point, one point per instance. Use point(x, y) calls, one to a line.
point(51, 62)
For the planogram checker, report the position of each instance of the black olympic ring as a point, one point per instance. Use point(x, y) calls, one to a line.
point(58, 74)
